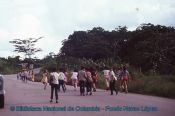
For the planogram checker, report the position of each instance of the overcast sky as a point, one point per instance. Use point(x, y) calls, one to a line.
point(57, 19)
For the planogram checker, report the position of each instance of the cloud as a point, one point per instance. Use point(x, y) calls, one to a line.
point(57, 19)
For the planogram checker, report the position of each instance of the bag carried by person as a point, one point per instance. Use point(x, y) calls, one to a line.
point(51, 79)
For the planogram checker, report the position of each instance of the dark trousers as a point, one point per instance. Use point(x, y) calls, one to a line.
point(89, 86)
point(61, 83)
point(82, 86)
point(113, 87)
point(24, 78)
point(54, 87)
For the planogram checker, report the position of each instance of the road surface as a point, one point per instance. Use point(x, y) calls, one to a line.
point(31, 96)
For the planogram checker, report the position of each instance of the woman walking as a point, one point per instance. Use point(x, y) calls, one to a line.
point(125, 78)
point(94, 78)
point(106, 77)
point(45, 78)
point(74, 78)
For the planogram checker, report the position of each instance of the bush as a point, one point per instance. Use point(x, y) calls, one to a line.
point(101, 81)
point(153, 85)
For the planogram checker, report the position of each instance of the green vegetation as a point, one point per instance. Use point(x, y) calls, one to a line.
point(153, 85)
point(12, 65)
point(26, 46)
point(9, 65)
point(148, 52)
point(148, 48)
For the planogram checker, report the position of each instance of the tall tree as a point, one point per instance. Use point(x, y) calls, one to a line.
point(26, 46)
point(152, 47)
point(149, 47)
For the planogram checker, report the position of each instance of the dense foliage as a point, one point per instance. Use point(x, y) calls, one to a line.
point(9, 65)
point(12, 65)
point(148, 48)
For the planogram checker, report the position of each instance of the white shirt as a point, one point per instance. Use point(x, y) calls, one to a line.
point(74, 75)
point(61, 76)
point(55, 76)
point(24, 73)
point(112, 75)
point(106, 73)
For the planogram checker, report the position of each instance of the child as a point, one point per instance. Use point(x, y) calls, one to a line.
point(45, 79)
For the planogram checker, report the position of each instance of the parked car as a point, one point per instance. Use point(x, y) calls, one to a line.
point(2, 92)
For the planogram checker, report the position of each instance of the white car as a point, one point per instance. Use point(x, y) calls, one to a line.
point(2, 92)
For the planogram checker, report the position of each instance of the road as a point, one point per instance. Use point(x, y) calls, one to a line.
point(32, 95)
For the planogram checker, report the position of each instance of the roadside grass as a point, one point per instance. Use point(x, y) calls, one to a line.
point(9, 70)
point(162, 86)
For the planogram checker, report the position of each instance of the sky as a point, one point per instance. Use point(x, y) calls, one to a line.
point(55, 20)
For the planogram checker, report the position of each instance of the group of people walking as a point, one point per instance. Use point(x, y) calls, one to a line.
point(25, 74)
point(115, 80)
point(87, 77)
point(120, 76)
point(56, 81)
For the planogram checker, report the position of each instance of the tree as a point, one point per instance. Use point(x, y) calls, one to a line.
point(26, 46)
point(152, 47)
point(148, 48)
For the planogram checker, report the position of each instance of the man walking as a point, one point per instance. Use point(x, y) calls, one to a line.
point(54, 81)
point(82, 80)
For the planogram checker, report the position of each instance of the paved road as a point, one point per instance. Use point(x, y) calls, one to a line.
point(32, 95)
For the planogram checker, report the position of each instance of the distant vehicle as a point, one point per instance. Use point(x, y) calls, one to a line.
point(2, 92)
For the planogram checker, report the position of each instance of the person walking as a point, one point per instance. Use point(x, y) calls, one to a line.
point(26, 75)
point(65, 78)
point(54, 77)
point(61, 79)
point(74, 78)
point(18, 75)
point(33, 76)
point(22, 75)
point(45, 78)
point(106, 77)
point(125, 78)
point(89, 82)
point(94, 78)
point(119, 77)
point(112, 80)
point(82, 80)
